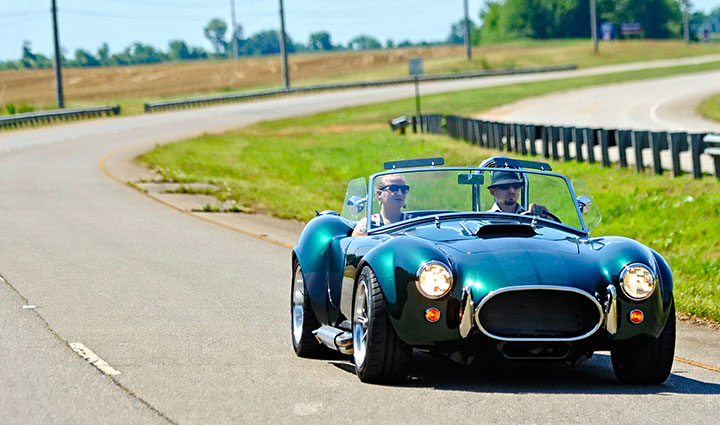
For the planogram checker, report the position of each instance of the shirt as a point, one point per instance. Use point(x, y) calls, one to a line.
point(496, 208)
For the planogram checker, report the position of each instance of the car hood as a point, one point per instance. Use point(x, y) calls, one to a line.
point(486, 265)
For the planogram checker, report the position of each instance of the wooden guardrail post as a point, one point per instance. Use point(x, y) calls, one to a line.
point(532, 131)
point(678, 143)
point(590, 136)
point(554, 138)
point(624, 141)
point(566, 136)
point(604, 147)
point(579, 138)
point(658, 143)
point(639, 142)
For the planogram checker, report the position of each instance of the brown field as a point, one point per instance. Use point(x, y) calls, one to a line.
point(172, 79)
point(130, 86)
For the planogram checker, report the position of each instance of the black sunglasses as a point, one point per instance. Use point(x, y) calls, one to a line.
point(507, 186)
point(395, 187)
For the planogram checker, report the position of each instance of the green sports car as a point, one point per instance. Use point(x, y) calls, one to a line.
point(479, 263)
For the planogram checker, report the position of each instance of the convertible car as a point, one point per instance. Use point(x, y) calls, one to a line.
point(456, 275)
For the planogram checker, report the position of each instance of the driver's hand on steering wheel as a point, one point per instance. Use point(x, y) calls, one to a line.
point(540, 210)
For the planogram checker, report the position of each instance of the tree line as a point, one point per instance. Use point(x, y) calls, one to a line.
point(501, 20)
point(544, 19)
point(265, 42)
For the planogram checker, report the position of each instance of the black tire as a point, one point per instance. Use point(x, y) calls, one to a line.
point(379, 354)
point(302, 319)
point(648, 362)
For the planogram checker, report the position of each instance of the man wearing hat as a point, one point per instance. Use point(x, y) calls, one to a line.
point(505, 188)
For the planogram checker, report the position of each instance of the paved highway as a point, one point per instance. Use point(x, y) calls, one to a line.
point(192, 318)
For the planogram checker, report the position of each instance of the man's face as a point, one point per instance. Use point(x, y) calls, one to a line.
point(389, 197)
point(506, 194)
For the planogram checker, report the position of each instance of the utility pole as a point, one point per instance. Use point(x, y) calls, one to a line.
point(468, 51)
point(283, 50)
point(58, 59)
point(593, 26)
point(686, 21)
point(234, 29)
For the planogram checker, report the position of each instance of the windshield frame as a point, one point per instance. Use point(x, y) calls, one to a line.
point(386, 227)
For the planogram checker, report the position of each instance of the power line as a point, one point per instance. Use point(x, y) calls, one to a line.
point(23, 14)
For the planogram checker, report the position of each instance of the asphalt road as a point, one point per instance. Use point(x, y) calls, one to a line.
point(195, 316)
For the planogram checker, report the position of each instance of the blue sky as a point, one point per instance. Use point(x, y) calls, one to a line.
point(88, 23)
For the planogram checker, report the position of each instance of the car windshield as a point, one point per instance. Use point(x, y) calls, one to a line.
point(414, 193)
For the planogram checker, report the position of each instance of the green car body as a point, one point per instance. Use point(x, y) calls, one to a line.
point(522, 286)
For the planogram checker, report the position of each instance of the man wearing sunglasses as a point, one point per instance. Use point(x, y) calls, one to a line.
point(391, 193)
point(505, 188)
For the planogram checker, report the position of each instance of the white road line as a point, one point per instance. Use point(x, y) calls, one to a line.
point(93, 359)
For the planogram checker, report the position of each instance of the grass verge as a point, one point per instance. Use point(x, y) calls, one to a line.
point(292, 167)
point(710, 108)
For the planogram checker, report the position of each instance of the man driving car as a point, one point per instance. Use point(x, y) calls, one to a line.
point(505, 188)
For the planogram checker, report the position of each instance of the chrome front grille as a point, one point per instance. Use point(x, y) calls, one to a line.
point(539, 313)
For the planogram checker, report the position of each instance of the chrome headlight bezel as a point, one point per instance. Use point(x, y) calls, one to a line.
point(630, 271)
point(436, 267)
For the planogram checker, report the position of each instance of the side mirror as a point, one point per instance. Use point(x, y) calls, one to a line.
point(356, 204)
point(584, 203)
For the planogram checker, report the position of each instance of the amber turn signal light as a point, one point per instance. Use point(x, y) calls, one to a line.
point(636, 316)
point(432, 315)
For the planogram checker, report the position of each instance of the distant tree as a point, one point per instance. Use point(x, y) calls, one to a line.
point(266, 43)
point(27, 53)
point(85, 58)
point(30, 59)
point(178, 50)
point(364, 42)
point(405, 43)
point(145, 53)
point(457, 31)
point(389, 43)
point(320, 41)
point(215, 33)
point(198, 53)
point(103, 54)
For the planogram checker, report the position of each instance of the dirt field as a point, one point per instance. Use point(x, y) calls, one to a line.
point(130, 86)
point(164, 80)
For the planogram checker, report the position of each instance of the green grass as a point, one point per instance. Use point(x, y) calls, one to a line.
point(290, 168)
point(710, 108)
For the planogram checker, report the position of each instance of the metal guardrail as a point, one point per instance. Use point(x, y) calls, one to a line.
point(207, 100)
point(524, 139)
point(42, 117)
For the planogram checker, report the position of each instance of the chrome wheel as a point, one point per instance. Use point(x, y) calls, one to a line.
point(360, 324)
point(298, 306)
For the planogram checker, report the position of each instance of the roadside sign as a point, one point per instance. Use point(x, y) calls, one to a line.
point(608, 30)
point(631, 28)
point(416, 66)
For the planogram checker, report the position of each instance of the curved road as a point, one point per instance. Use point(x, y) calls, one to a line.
point(194, 317)
point(665, 104)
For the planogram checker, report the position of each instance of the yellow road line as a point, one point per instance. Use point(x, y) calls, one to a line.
point(227, 226)
point(698, 364)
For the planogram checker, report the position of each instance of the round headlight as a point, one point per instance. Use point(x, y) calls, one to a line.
point(637, 281)
point(434, 279)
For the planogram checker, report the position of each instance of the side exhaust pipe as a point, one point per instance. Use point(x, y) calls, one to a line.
point(335, 338)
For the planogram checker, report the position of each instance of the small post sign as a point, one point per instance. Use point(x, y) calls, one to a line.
point(416, 66)
point(416, 70)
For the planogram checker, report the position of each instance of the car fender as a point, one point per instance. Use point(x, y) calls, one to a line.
point(620, 251)
point(395, 264)
point(313, 253)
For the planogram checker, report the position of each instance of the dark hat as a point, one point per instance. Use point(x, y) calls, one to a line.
point(504, 177)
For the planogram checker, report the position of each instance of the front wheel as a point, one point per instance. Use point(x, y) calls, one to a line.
point(379, 354)
point(648, 362)
point(303, 320)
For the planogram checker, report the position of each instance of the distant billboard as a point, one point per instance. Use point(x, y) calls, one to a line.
point(630, 28)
